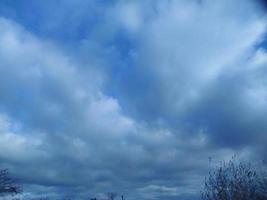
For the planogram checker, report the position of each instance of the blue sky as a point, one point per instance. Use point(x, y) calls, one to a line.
point(130, 96)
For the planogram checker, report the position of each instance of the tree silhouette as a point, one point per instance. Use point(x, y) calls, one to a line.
point(7, 184)
point(231, 181)
point(112, 195)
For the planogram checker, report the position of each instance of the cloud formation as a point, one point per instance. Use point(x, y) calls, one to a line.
point(131, 97)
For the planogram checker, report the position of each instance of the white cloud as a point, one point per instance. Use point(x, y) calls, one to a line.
point(188, 45)
point(129, 15)
point(67, 121)
point(17, 146)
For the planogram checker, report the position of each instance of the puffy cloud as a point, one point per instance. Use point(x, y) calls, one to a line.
point(44, 91)
point(69, 133)
point(134, 100)
point(182, 31)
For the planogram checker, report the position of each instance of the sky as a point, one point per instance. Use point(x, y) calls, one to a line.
point(137, 97)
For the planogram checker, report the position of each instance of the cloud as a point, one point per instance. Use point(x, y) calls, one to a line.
point(55, 100)
point(182, 31)
point(67, 127)
point(134, 100)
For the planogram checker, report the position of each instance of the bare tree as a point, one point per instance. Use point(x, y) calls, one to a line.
point(112, 195)
point(231, 181)
point(7, 184)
